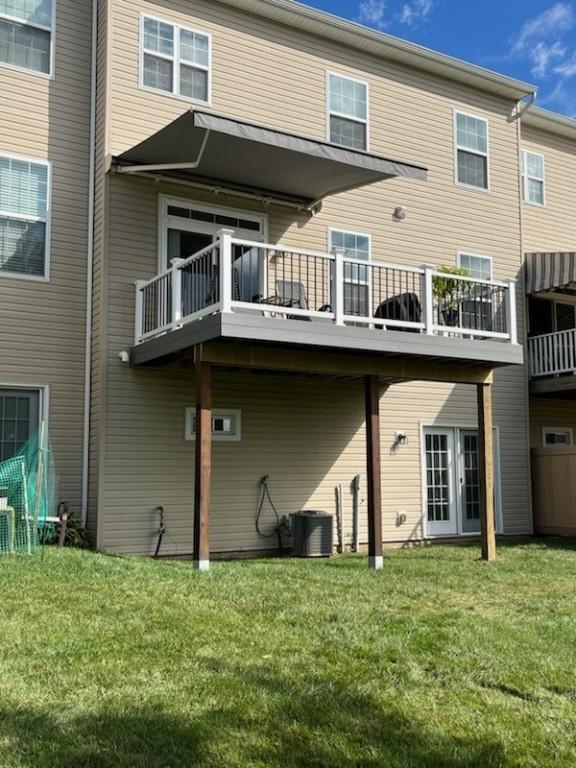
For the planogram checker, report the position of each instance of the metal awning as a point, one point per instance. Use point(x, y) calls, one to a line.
point(550, 271)
point(222, 152)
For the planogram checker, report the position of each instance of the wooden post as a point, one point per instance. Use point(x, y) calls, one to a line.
point(373, 472)
point(203, 467)
point(486, 471)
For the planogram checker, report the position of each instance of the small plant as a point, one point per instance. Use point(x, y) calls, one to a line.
point(447, 288)
point(76, 535)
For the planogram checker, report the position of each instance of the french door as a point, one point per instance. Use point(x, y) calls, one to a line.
point(452, 483)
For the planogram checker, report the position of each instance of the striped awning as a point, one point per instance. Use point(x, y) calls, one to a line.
point(550, 271)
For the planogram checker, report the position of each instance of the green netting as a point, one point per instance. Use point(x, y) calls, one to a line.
point(27, 495)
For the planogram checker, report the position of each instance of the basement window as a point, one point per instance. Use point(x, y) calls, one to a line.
point(554, 436)
point(226, 425)
point(26, 35)
point(175, 60)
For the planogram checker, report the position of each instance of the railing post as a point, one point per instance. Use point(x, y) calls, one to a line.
point(225, 239)
point(338, 288)
point(511, 315)
point(176, 280)
point(428, 297)
point(139, 327)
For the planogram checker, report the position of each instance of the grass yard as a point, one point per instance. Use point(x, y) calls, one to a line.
point(440, 660)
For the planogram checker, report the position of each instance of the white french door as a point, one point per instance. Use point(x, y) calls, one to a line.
point(452, 484)
point(440, 501)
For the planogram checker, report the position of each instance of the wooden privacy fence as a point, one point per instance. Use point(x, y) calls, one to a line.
point(554, 490)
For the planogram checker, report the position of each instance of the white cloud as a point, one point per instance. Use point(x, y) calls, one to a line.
point(543, 56)
point(562, 99)
point(567, 68)
point(415, 11)
point(373, 13)
point(549, 25)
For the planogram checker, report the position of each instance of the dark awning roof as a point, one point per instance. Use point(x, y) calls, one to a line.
point(224, 152)
point(550, 271)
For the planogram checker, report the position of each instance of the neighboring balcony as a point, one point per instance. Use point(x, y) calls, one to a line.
point(552, 364)
point(245, 290)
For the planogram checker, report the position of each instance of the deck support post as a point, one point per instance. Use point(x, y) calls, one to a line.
point(203, 467)
point(486, 471)
point(373, 472)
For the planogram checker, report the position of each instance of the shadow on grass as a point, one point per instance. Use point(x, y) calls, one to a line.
point(267, 719)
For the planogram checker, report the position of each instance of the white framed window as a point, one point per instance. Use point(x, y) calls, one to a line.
point(471, 140)
point(348, 109)
point(356, 246)
point(26, 31)
point(226, 425)
point(554, 436)
point(24, 217)
point(533, 177)
point(175, 60)
point(476, 266)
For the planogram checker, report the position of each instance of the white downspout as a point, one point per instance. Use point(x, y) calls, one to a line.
point(89, 266)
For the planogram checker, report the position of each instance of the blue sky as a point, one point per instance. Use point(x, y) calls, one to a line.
point(533, 40)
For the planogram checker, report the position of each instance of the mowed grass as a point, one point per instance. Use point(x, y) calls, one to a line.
point(439, 660)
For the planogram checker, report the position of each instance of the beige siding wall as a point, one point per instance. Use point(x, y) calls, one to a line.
point(552, 227)
point(42, 324)
point(551, 413)
point(308, 435)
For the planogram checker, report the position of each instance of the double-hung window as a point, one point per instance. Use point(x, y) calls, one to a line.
point(476, 310)
point(24, 217)
point(347, 112)
point(472, 162)
point(26, 34)
point(533, 177)
point(175, 60)
point(356, 248)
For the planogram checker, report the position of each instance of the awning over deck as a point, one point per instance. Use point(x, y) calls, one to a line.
point(235, 155)
point(550, 272)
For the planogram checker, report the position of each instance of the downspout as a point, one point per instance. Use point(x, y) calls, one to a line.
point(521, 111)
point(89, 267)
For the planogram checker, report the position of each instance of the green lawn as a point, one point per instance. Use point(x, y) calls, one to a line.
point(439, 660)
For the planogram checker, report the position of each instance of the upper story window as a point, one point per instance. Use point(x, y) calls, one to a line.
point(479, 267)
point(347, 112)
point(175, 60)
point(533, 177)
point(24, 217)
point(26, 34)
point(471, 134)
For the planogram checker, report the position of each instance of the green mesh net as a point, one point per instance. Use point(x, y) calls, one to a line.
point(27, 496)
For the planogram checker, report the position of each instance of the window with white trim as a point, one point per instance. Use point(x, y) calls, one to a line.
point(533, 177)
point(175, 60)
point(347, 112)
point(356, 246)
point(471, 134)
point(24, 216)
point(552, 436)
point(226, 425)
point(26, 34)
point(476, 266)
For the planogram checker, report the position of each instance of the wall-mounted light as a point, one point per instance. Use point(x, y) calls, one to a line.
point(400, 213)
point(400, 438)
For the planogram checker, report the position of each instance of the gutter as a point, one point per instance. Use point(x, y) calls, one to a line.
point(89, 268)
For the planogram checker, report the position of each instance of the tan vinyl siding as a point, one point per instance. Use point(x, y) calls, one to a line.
point(559, 414)
point(552, 227)
point(43, 323)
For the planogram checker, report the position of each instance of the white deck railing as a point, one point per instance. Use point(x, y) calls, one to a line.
point(281, 281)
point(552, 354)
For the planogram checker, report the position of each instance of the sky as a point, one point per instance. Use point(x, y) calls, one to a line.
point(532, 40)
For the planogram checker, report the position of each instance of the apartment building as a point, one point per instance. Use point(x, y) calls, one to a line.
point(306, 248)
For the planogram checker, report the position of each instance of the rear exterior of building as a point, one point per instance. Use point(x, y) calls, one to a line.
point(548, 143)
point(306, 432)
point(292, 286)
